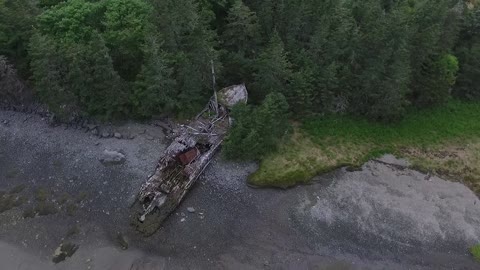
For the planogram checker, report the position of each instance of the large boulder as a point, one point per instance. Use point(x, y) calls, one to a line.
point(232, 95)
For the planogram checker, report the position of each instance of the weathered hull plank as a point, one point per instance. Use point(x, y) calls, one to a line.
point(182, 164)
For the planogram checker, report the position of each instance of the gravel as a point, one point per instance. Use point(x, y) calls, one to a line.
point(383, 217)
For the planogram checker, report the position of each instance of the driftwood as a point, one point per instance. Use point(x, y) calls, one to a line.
point(184, 161)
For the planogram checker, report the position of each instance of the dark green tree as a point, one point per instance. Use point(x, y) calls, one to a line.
point(240, 41)
point(77, 78)
point(439, 75)
point(273, 70)
point(370, 58)
point(257, 131)
point(49, 3)
point(100, 89)
point(468, 82)
point(73, 21)
point(17, 19)
point(98, 53)
point(126, 23)
point(49, 67)
point(188, 38)
point(294, 22)
point(154, 91)
point(267, 11)
point(300, 94)
point(434, 35)
point(333, 52)
point(241, 32)
point(468, 52)
point(382, 70)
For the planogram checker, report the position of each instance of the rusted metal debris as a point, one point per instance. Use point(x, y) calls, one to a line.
point(184, 160)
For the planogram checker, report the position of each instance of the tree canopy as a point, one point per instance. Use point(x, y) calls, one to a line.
point(139, 58)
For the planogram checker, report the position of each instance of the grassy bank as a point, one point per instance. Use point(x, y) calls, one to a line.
point(442, 140)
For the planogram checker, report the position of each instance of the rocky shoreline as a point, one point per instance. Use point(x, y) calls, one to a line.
point(374, 218)
point(88, 125)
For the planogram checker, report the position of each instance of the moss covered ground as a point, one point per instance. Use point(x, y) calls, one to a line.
point(444, 140)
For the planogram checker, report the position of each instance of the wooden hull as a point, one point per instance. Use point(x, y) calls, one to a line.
point(149, 225)
point(184, 161)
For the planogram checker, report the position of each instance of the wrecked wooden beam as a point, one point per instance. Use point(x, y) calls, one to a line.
point(184, 161)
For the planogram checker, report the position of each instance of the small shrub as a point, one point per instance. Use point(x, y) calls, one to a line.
point(41, 195)
point(45, 208)
point(19, 201)
point(71, 209)
point(28, 213)
point(475, 250)
point(440, 75)
point(17, 189)
point(6, 203)
point(63, 198)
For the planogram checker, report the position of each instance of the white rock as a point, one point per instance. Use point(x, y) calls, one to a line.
point(112, 158)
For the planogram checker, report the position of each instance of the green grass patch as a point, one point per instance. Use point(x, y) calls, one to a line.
point(71, 209)
point(475, 251)
point(456, 120)
point(326, 143)
point(41, 194)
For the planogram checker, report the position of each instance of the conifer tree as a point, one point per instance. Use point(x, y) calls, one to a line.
point(48, 68)
point(430, 44)
point(383, 71)
point(468, 82)
point(273, 70)
point(16, 20)
point(154, 90)
point(187, 37)
point(103, 92)
point(240, 39)
point(242, 29)
point(468, 53)
point(370, 58)
point(259, 128)
point(332, 49)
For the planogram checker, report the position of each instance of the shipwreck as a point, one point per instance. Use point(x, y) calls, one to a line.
point(193, 147)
